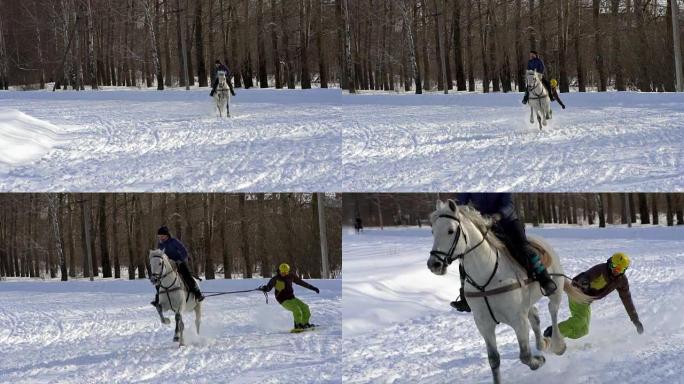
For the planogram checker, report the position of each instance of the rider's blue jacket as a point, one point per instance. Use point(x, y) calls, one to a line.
point(174, 249)
point(491, 203)
point(221, 67)
point(536, 64)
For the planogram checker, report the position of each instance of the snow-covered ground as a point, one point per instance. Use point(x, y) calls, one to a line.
point(602, 141)
point(146, 140)
point(107, 332)
point(398, 326)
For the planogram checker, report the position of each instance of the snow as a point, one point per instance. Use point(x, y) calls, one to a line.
point(613, 141)
point(399, 328)
point(144, 140)
point(24, 139)
point(107, 332)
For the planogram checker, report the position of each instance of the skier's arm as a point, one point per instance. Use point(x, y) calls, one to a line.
point(626, 297)
point(269, 285)
point(298, 280)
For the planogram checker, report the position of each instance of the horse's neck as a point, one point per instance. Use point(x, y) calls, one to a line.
point(481, 262)
point(171, 280)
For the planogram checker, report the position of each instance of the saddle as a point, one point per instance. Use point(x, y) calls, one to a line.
point(537, 246)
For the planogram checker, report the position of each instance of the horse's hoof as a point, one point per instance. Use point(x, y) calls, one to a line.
point(540, 360)
point(561, 351)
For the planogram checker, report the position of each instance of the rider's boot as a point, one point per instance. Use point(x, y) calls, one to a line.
point(539, 273)
point(460, 304)
point(526, 98)
point(198, 294)
point(155, 302)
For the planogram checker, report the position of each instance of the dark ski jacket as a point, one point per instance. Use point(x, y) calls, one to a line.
point(283, 286)
point(598, 281)
point(174, 249)
point(221, 67)
point(536, 64)
point(491, 203)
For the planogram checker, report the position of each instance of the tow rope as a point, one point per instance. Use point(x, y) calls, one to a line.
point(210, 294)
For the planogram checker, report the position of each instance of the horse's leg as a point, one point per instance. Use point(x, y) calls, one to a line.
point(198, 316)
point(533, 316)
point(164, 320)
point(557, 343)
point(522, 331)
point(176, 334)
point(539, 119)
point(181, 327)
point(531, 114)
point(487, 330)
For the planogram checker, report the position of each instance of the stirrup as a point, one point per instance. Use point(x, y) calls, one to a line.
point(460, 305)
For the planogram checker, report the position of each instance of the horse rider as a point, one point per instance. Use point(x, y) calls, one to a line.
point(536, 64)
point(218, 66)
point(511, 230)
point(554, 92)
point(285, 296)
point(598, 281)
point(176, 251)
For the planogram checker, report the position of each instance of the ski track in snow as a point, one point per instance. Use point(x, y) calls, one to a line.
point(607, 141)
point(172, 141)
point(106, 332)
point(398, 326)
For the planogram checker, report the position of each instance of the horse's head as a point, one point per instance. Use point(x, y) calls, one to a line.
point(446, 233)
point(159, 265)
point(221, 75)
point(532, 77)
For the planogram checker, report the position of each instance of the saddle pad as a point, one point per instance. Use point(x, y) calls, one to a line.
point(542, 252)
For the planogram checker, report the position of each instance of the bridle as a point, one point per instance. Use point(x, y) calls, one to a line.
point(448, 257)
point(159, 277)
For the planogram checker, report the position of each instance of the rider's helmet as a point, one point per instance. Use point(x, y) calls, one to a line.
point(554, 83)
point(618, 263)
point(284, 268)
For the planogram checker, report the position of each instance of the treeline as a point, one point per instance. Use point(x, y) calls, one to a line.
point(381, 209)
point(227, 235)
point(465, 44)
point(79, 43)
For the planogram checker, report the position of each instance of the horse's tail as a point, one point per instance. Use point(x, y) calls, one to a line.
point(575, 293)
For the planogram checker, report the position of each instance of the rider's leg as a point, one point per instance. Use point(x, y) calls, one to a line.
point(230, 85)
point(526, 98)
point(213, 87)
point(461, 304)
point(526, 255)
point(156, 298)
point(184, 271)
point(547, 85)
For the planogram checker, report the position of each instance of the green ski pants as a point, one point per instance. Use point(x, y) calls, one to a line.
point(299, 310)
point(578, 323)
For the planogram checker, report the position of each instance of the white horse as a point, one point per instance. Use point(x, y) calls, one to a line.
point(173, 294)
point(539, 101)
point(222, 95)
point(498, 289)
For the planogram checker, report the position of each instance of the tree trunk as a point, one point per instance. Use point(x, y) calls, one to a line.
point(616, 51)
point(244, 228)
point(322, 60)
point(199, 46)
point(263, 76)
point(304, 13)
point(104, 249)
point(598, 48)
point(276, 51)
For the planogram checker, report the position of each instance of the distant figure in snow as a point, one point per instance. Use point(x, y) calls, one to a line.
point(285, 296)
point(358, 224)
point(554, 92)
point(536, 64)
point(176, 252)
point(598, 281)
point(218, 66)
point(511, 230)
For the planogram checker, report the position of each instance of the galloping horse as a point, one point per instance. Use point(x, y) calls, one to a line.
point(498, 289)
point(173, 294)
point(222, 95)
point(539, 101)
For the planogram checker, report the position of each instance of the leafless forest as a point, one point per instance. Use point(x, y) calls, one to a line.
point(227, 235)
point(598, 209)
point(358, 44)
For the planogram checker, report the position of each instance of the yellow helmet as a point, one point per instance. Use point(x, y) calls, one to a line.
point(554, 83)
point(619, 263)
point(284, 268)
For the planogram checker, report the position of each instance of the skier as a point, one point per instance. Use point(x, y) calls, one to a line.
point(218, 66)
point(285, 296)
point(598, 282)
point(554, 92)
point(507, 225)
point(176, 251)
point(536, 64)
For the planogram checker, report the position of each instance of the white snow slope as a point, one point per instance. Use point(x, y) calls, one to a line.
point(602, 141)
point(144, 140)
point(399, 328)
point(107, 332)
